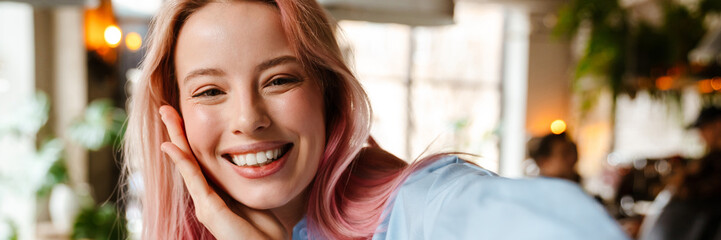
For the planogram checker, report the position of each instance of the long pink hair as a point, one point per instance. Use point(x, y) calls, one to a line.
point(350, 192)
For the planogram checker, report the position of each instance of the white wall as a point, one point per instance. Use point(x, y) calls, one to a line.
point(17, 202)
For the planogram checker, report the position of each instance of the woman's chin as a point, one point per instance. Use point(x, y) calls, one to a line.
point(262, 202)
point(261, 206)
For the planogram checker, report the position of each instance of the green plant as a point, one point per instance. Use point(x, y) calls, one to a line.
point(24, 161)
point(626, 52)
point(56, 174)
point(23, 126)
point(40, 168)
point(28, 118)
point(99, 223)
point(101, 125)
point(12, 228)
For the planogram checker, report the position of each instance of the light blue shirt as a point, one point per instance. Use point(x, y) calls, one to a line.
point(453, 199)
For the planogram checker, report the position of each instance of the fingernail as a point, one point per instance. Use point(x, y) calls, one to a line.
point(162, 116)
point(163, 148)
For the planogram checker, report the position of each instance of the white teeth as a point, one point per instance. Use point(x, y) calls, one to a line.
point(239, 160)
point(250, 159)
point(257, 158)
point(260, 157)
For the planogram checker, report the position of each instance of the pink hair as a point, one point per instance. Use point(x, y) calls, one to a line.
point(349, 193)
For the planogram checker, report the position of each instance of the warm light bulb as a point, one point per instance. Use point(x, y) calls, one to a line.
point(664, 83)
point(133, 41)
point(112, 35)
point(704, 86)
point(558, 127)
point(716, 83)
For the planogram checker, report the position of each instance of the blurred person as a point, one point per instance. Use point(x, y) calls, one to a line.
point(556, 156)
point(246, 123)
point(708, 124)
point(690, 206)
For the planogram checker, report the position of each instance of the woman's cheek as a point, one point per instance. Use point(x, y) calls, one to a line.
point(304, 107)
point(203, 129)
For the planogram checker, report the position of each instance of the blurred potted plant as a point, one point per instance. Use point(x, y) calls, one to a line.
point(46, 174)
point(11, 231)
point(25, 161)
point(101, 125)
point(629, 46)
point(100, 223)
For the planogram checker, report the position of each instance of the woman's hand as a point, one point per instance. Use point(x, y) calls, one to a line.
point(224, 222)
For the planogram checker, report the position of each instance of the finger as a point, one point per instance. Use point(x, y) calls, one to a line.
point(210, 208)
point(174, 125)
point(193, 177)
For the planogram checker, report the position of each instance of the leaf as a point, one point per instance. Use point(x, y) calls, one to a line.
point(99, 223)
point(101, 125)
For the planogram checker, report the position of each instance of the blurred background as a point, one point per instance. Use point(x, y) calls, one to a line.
point(618, 81)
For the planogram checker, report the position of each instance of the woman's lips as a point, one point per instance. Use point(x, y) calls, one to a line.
point(253, 148)
point(253, 172)
point(258, 158)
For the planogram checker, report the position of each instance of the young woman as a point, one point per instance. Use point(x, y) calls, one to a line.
point(247, 124)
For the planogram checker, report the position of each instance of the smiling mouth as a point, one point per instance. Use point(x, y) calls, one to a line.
point(260, 158)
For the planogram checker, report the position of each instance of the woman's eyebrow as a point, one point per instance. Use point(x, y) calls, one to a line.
point(274, 62)
point(204, 72)
point(261, 67)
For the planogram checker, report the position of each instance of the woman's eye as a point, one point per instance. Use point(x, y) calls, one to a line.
point(209, 93)
point(282, 80)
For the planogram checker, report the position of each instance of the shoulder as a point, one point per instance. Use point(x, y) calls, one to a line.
point(456, 199)
point(685, 219)
point(452, 176)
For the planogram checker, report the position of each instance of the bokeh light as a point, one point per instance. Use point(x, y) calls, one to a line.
point(558, 126)
point(664, 83)
point(716, 83)
point(704, 86)
point(113, 35)
point(133, 41)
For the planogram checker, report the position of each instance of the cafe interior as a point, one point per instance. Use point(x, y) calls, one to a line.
point(622, 97)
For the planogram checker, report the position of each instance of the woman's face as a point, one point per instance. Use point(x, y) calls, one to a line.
point(253, 118)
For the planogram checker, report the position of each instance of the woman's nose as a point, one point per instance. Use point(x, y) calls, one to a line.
point(251, 118)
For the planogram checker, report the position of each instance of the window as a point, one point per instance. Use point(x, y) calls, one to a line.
point(452, 106)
